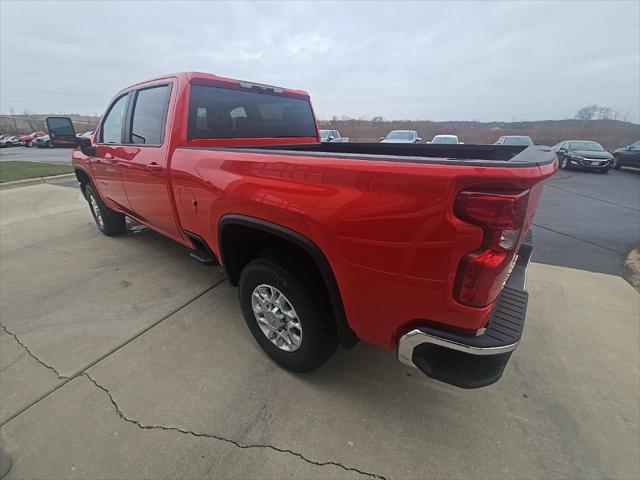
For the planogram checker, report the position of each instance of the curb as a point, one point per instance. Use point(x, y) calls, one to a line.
point(36, 180)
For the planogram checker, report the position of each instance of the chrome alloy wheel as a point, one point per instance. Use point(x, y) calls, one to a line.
point(97, 213)
point(276, 317)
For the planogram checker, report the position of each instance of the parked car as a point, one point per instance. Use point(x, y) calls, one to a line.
point(332, 136)
point(41, 142)
point(584, 155)
point(401, 136)
point(27, 139)
point(445, 139)
point(314, 234)
point(628, 156)
point(10, 141)
point(515, 140)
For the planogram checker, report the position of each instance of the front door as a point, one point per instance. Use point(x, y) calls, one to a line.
point(104, 164)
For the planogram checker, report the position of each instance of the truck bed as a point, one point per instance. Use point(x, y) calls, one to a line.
point(482, 155)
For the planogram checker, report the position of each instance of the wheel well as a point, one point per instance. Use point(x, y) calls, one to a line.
point(241, 240)
point(83, 178)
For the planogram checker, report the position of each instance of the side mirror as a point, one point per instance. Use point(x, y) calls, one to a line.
point(381, 138)
point(330, 138)
point(418, 139)
point(61, 132)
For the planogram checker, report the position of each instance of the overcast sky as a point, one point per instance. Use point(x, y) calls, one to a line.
point(479, 60)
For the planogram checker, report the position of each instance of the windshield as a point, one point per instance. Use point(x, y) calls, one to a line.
point(586, 146)
point(400, 135)
point(518, 141)
point(216, 112)
point(441, 139)
point(324, 134)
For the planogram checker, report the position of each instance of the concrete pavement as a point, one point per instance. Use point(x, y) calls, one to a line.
point(123, 358)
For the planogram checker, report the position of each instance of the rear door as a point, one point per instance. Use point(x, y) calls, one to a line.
point(145, 158)
point(109, 141)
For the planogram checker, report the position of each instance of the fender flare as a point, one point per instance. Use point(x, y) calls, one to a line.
point(347, 336)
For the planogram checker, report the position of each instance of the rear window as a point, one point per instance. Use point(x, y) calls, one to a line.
point(518, 141)
point(216, 112)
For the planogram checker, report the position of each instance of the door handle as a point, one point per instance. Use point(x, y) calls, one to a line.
point(110, 159)
point(154, 167)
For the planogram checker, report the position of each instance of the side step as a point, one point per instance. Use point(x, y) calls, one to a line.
point(202, 253)
point(203, 257)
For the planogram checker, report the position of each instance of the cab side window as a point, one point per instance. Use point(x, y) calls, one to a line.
point(149, 115)
point(111, 131)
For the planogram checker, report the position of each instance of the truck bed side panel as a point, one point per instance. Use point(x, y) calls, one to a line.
point(387, 229)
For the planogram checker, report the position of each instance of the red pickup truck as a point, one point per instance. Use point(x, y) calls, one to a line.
point(415, 247)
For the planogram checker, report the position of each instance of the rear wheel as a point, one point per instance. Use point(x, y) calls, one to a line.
point(288, 313)
point(108, 221)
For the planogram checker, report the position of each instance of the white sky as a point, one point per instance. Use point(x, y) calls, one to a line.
point(480, 60)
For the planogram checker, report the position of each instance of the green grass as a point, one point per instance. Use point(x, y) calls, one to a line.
point(10, 171)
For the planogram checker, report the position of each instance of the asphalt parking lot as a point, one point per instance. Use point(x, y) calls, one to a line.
point(51, 155)
point(123, 358)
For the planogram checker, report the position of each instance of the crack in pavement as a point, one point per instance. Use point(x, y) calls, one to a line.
point(34, 356)
point(591, 197)
point(593, 244)
point(183, 431)
point(83, 369)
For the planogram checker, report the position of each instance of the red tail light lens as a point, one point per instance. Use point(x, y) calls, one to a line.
point(501, 215)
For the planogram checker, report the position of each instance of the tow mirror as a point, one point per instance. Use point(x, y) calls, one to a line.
point(63, 134)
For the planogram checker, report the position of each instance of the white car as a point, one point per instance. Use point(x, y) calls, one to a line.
point(332, 136)
point(10, 141)
point(445, 139)
point(401, 136)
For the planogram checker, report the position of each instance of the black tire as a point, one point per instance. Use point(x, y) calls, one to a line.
point(108, 222)
point(564, 163)
point(617, 163)
point(308, 298)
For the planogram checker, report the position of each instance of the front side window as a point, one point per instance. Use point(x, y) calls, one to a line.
point(216, 112)
point(149, 115)
point(112, 125)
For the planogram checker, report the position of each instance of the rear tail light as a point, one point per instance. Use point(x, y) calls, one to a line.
point(501, 215)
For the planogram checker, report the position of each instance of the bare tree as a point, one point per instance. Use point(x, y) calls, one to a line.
point(14, 120)
point(29, 120)
point(587, 113)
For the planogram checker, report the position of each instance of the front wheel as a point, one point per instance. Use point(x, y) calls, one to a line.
point(616, 163)
point(564, 163)
point(108, 221)
point(288, 313)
